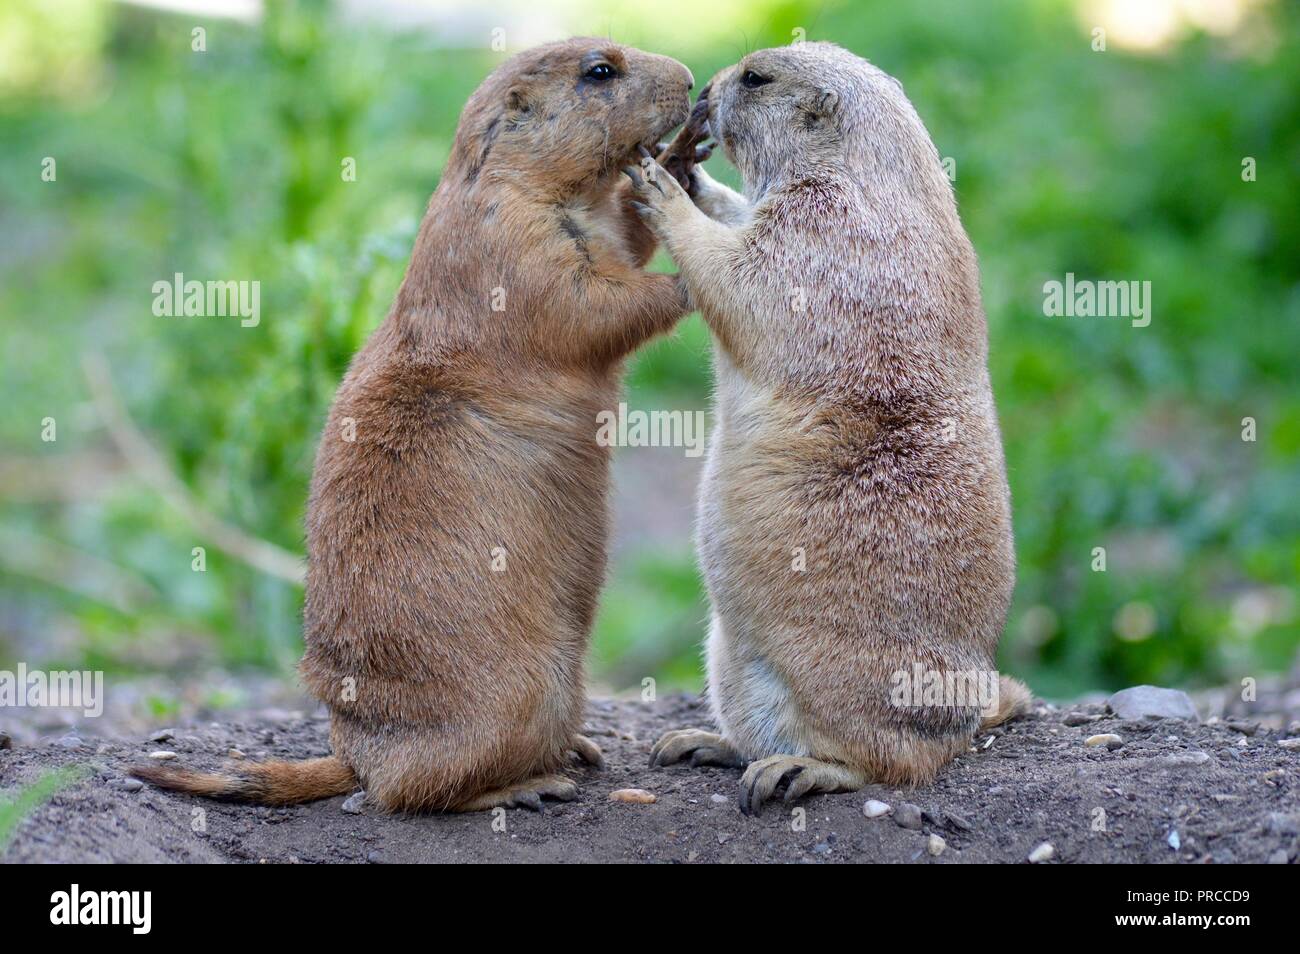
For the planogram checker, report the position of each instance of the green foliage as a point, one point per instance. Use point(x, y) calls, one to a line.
point(227, 165)
point(14, 809)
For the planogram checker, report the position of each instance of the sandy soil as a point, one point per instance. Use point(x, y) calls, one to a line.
point(1175, 791)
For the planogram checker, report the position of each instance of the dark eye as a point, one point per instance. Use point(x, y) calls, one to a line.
point(601, 71)
point(752, 80)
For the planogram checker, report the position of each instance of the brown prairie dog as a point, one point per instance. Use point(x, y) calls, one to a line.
point(854, 523)
point(457, 522)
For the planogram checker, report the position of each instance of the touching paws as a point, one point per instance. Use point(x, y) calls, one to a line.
point(655, 193)
point(688, 148)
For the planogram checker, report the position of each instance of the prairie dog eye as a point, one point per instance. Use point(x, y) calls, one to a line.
point(752, 80)
point(600, 71)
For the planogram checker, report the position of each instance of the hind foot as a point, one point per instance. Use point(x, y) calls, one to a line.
point(802, 776)
point(587, 751)
point(527, 794)
point(704, 748)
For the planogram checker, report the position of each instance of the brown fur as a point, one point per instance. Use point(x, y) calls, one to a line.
point(451, 685)
point(268, 783)
point(855, 426)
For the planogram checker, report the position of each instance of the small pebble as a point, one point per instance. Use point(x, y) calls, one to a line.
point(1079, 718)
point(1109, 739)
point(1278, 857)
point(719, 799)
point(1183, 760)
point(355, 803)
point(959, 822)
point(1174, 841)
point(1245, 728)
point(130, 784)
point(236, 754)
point(162, 756)
point(162, 735)
point(935, 845)
point(637, 796)
point(1291, 745)
point(908, 815)
point(874, 809)
point(1044, 852)
point(1145, 702)
point(821, 848)
point(70, 741)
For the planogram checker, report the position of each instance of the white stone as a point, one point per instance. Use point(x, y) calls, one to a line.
point(1044, 852)
point(874, 809)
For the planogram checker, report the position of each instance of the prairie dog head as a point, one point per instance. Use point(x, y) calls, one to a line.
point(786, 113)
point(563, 114)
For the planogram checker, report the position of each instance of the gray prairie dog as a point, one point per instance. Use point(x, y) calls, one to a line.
point(854, 523)
point(457, 523)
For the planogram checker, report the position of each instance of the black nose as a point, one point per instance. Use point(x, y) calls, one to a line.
point(690, 86)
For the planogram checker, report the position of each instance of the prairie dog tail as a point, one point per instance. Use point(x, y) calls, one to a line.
point(1014, 699)
point(265, 783)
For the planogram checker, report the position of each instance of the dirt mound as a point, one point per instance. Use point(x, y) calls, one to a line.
point(1170, 791)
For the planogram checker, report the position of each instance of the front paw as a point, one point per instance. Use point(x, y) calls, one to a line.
point(656, 195)
point(688, 148)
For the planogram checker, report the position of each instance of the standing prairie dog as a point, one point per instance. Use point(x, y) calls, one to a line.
point(457, 523)
point(854, 518)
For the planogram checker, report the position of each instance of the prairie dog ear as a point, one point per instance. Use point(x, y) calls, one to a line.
point(517, 100)
point(826, 102)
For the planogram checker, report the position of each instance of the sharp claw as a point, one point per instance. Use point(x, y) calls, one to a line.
point(746, 793)
point(529, 800)
point(643, 151)
point(641, 208)
point(633, 173)
point(791, 790)
point(700, 111)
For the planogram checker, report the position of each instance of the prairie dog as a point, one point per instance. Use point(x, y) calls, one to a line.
point(854, 523)
point(457, 523)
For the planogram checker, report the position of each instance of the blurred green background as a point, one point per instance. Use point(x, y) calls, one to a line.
point(225, 164)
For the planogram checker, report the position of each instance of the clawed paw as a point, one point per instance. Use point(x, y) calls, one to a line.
point(527, 794)
point(587, 751)
point(689, 148)
point(702, 748)
point(801, 776)
point(653, 190)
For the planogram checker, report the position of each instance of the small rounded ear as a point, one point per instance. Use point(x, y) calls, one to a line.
point(827, 101)
point(517, 100)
